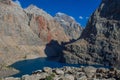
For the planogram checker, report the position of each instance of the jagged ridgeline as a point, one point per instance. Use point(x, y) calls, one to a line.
point(100, 40)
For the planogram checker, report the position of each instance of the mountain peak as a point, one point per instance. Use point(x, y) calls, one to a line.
point(71, 27)
point(33, 9)
point(32, 6)
point(100, 40)
point(110, 9)
point(60, 14)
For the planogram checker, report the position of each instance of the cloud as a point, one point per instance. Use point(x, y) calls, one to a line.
point(18, 2)
point(80, 17)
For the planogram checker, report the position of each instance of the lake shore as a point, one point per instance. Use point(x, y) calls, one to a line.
point(8, 71)
point(71, 73)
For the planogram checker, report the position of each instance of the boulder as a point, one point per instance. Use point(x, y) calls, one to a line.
point(47, 69)
point(59, 72)
point(90, 71)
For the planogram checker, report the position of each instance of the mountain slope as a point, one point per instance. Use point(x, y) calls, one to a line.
point(16, 38)
point(25, 33)
point(100, 40)
point(71, 27)
point(44, 25)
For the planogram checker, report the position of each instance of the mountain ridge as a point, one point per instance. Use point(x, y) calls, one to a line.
point(100, 40)
point(25, 33)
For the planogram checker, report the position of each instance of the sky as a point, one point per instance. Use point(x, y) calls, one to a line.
point(81, 10)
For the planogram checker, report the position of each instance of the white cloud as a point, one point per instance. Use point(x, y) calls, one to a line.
point(18, 2)
point(80, 17)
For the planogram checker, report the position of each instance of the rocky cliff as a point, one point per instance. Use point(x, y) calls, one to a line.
point(25, 33)
point(71, 27)
point(44, 25)
point(100, 40)
point(16, 38)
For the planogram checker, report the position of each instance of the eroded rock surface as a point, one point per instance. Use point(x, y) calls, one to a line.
point(71, 27)
point(25, 33)
point(17, 40)
point(100, 40)
point(45, 26)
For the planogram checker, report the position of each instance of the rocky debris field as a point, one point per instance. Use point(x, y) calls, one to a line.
point(71, 73)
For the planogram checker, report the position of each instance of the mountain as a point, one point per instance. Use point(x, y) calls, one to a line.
point(100, 40)
point(16, 38)
point(44, 25)
point(71, 27)
point(25, 33)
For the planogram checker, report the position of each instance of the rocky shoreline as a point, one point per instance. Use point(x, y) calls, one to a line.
point(71, 73)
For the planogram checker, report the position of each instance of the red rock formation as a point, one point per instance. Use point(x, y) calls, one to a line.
point(42, 23)
point(45, 26)
point(44, 29)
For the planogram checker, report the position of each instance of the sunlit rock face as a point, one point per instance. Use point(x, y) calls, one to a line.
point(25, 33)
point(100, 40)
point(71, 27)
point(17, 39)
point(45, 26)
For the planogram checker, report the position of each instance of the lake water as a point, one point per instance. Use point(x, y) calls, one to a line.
point(28, 66)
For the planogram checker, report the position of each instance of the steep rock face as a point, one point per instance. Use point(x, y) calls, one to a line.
point(71, 27)
point(25, 33)
point(101, 38)
point(44, 25)
point(17, 40)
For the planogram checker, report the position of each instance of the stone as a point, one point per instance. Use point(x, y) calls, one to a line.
point(59, 72)
point(90, 71)
point(81, 78)
point(80, 74)
point(69, 77)
point(43, 75)
point(63, 78)
point(37, 72)
point(25, 77)
point(85, 74)
point(67, 69)
point(34, 77)
point(47, 69)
